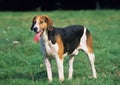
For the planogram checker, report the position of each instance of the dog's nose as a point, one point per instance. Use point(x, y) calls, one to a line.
point(35, 29)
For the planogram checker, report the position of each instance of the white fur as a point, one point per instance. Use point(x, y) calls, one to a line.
point(60, 68)
point(50, 49)
point(71, 60)
point(48, 68)
point(83, 44)
point(92, 59)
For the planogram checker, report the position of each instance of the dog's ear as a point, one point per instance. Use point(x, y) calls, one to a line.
point(49, 22)
point(34, 18)
point(33, 22)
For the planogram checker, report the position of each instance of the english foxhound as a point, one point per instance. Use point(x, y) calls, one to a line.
point(59, 42)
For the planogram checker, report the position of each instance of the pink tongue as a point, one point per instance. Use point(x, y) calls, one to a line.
point(37, 37)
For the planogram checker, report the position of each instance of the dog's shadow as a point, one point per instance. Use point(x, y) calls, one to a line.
point(40, 75)
point(28, 75)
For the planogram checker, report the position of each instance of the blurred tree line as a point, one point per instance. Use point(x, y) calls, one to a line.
point(48, 5)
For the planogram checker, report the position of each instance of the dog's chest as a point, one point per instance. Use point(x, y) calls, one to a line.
point(48, 48)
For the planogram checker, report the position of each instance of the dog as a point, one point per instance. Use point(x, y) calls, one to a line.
point(59, 42)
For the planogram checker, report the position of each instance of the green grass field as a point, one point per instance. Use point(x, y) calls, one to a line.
point(21, 62)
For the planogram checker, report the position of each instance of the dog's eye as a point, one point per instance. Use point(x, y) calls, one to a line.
point(34, 22)
point(41, 22)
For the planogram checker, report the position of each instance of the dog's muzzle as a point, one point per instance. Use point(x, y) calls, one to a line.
point(35, 29)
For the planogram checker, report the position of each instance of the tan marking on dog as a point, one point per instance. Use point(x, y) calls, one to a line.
point(89, 42)
point(61, 47)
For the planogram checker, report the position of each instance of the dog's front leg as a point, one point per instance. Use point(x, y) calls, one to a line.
point(60, 68)
point(48, 68)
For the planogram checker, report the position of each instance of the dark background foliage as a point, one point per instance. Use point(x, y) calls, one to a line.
point(48, 5)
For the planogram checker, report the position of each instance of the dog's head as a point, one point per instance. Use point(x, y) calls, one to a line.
point(41, 23)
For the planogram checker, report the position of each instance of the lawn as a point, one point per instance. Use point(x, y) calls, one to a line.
point(21, 62)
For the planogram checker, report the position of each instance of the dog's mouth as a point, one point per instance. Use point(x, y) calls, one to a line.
point(37, 36)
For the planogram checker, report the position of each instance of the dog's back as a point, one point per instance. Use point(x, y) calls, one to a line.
point(70, 35)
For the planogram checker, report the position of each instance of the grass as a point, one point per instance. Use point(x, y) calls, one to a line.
point(21, 62)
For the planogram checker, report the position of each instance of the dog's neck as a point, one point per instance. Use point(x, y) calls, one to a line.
point(45, 36)
point(46, 33)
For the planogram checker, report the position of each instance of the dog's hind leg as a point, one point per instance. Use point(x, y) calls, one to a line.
point(86, 45)
point(92, 60)
point(90, 52)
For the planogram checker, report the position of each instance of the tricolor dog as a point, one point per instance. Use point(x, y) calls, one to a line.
point(60, 42)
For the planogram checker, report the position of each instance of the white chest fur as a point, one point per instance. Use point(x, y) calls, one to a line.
point(47, 47)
